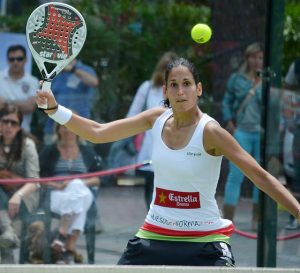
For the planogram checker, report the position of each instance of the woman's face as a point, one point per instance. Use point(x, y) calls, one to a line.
point(181, 89)
point(255, 61)
point(16, 61)
point(66, 135)
point(10, 126)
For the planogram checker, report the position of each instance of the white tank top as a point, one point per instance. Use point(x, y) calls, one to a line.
point(185, 184)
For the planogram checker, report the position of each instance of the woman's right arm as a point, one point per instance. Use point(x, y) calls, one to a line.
point(107, 132)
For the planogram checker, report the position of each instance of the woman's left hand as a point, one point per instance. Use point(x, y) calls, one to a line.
point(14, 205)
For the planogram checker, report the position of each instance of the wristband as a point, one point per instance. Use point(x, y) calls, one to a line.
point(62, 115)
point(20, 194)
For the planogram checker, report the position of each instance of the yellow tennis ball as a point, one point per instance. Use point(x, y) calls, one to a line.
point(201, 33)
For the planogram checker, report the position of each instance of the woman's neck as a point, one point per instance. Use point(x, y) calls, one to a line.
point(7, 142)
point(6, 146)
point(67, 144)
point(252, 76)
point(187, 119)
point(68, 150)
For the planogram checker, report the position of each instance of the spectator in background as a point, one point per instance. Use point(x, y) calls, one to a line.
point(292, 82)
point(149, 95)
point(241, 113)
point(17, 86)
point(73, 87)
point(72, 198)
point(18, 158)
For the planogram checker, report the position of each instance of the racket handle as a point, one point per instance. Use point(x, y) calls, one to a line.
point(45, 87)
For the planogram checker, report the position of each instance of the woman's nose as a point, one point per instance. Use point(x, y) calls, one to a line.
point(180, 90)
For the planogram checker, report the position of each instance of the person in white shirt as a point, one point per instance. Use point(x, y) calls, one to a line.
point(183, 225)
point(17, 86)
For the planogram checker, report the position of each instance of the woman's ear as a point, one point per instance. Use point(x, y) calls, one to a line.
point(199, 89)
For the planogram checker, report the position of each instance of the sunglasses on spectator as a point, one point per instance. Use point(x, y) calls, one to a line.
point(12, 122)
point(13, 59)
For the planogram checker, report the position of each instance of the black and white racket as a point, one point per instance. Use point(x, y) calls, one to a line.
point(55, 34)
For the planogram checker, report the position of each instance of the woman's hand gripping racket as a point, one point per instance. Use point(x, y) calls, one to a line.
point(55, 34)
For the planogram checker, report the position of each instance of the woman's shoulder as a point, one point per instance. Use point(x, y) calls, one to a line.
point(236, 76)
point(162, 113)
point(214, 133)
point(29, 148)
point(154, 113)
point(30, 142)
point(237, 79)
point(212, 126)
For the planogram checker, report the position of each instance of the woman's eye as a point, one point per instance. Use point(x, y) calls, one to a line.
point(172, 84)
point(186, 83)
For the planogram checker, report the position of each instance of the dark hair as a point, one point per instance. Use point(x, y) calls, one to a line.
point(180, 62)
point(8, 109)
point(18, 143)
point(13, 48)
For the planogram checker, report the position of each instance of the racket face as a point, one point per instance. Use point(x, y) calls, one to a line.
point(55, 34)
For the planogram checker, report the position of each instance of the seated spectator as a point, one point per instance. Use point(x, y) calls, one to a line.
point(18, 158)
point(71, 199)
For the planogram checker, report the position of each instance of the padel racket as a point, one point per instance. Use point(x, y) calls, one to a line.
point(55, 34)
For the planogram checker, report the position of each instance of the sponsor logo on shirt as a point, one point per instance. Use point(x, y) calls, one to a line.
point(177, 199)
point(193, 154)
point(25, 88)
point(180, 223)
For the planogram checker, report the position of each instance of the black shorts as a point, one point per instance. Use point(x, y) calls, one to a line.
point(156, 252)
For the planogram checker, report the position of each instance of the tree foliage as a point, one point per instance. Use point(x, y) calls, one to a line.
point(291, 33)
point(126, 38)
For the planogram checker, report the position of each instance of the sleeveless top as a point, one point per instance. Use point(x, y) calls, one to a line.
point(185, 184)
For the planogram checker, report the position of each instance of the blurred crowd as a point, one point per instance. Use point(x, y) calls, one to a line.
point(54, 152)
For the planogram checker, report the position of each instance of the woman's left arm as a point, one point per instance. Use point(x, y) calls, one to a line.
point(221, 142)
point(15, 201)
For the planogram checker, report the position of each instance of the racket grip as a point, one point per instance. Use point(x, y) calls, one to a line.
point(45, 87)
